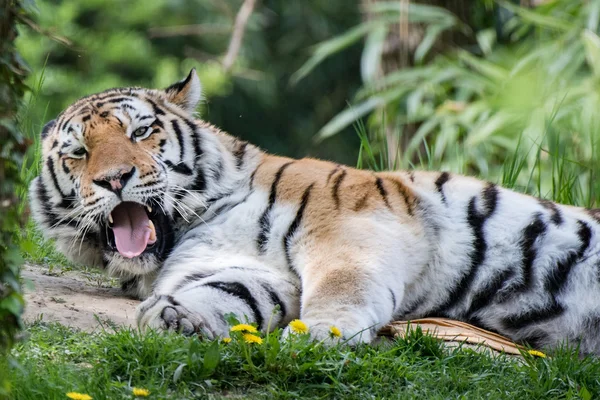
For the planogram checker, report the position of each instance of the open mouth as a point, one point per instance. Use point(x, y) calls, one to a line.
point(133, 229)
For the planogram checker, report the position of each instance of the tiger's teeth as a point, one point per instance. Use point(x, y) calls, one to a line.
point(152, 237)
point(149, 209)
point(110, 219)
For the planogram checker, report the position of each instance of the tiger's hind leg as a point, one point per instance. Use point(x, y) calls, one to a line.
point(198, 303)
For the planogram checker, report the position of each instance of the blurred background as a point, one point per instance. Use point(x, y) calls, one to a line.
point(507, 90)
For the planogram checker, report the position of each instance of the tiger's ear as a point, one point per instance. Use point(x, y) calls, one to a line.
point(186, 93)
point(47, 128)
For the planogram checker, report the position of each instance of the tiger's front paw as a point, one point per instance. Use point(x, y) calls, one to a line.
point(166, 313)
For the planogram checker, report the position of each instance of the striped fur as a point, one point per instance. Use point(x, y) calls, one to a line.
point(250, 233)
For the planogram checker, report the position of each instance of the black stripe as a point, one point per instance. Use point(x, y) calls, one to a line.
point(86, 118)
point(47, 128)
point(276, 300)
point(239, 154)
point(117, 100)
point(476, 220)
point(264, 222)
point(553, 284)
point(217, 170)
point(439, 184)
point(333, 171)
point(241, 292)
point(179, 135)
point(199, 182)
point(190, 278)
point(336, 188)
point(531, 233)
point(65, 201)
point(66, 122)
point(157, 110)
point(52, 219)
point(65, 167)
point(486, 295)
point(557, 278)
point(405, 194)
point(552, 310)
point(295, 224)
point(556, 215)
point(179, 168)
point(382, 191)
point(158, 123)
point(393, 296)
point(114, 100)
point(196, 140)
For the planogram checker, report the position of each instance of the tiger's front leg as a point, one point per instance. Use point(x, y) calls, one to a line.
point(349, 297)
point(197, 302)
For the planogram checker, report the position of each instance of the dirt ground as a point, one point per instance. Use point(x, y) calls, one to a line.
point(75, 298)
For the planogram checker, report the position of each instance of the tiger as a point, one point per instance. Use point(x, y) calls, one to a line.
point(200, 225)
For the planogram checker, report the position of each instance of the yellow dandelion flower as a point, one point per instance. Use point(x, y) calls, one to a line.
point(298, 326)
point(250, 338)
point(243, 328)
point(139, 392)
point(226, 339)
point(334, 331)
point(536, 353)
point(79, 396)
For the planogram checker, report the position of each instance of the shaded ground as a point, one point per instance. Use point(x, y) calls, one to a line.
point(81, 299)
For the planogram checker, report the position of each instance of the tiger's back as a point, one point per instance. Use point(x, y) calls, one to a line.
point(202, 225)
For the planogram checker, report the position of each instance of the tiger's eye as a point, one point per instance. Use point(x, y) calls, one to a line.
point(141, 131)
point(80, 152)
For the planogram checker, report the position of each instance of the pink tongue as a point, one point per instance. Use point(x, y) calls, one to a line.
point(131, 229)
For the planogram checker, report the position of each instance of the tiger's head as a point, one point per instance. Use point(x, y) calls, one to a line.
point(119, 167)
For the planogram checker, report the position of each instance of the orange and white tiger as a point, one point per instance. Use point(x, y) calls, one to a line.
point(200, 224)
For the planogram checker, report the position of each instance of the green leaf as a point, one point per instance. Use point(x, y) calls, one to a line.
point(538, 18)
point(330, 47)
point(211, 359)
point(487, 68)
point(370, 61)
point(486, 39)
point(355, 112)
point(591, 43)
point(178, 372)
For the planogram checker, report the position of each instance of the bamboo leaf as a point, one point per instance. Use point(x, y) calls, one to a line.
point(431, 35)
point(591, 43)
point(370, 62)
point(330, 47)
point(538, 18)
point(350, 115)
point(487, 68)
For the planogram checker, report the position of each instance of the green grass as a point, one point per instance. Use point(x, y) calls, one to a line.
point(56, 360)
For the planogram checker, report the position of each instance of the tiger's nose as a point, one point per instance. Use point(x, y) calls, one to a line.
point(115, 181)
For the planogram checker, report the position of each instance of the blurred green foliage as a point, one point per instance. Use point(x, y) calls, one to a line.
point(12, 147)
point(526, 87)
point(155, 43)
